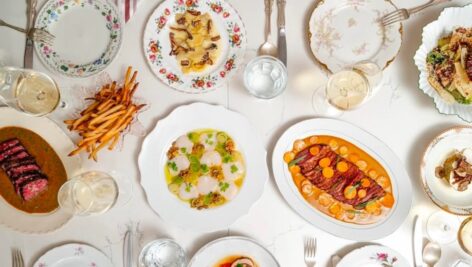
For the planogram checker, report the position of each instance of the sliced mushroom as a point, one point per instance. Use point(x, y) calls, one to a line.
point(243, 262)
point(184, 63)
point(194, 12)
point(215, 38)
point(209, 26)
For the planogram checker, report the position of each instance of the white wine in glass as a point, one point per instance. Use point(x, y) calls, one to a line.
point(28, 91)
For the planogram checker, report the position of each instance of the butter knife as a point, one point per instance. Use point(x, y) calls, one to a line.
point(128, 248)
point(281, 41)
point(28, 57)
point(418, 241)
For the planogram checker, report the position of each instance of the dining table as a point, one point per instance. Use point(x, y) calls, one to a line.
point(399, 114)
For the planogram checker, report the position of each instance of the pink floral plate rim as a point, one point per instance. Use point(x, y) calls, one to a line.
point(328, 36)
point(223, 14)
point(81, 253)
point(50, 13)
point(373, 255)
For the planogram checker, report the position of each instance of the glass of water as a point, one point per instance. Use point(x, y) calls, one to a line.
point(28, 91)
point(162, 253)
point(265, 77)
point(89, 193)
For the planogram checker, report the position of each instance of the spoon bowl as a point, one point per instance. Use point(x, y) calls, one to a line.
point(268, 49)
point(431, 253)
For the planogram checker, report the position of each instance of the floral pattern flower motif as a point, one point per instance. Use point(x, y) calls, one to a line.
point(384, 259)
point(79, 251)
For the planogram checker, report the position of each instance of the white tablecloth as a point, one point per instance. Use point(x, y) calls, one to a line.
point(400, 115)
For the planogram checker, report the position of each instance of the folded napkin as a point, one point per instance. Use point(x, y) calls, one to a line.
point(127, 8)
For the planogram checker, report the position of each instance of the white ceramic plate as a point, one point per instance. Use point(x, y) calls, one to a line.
point(49, 131)
point(88, 35)
point(345, 32)
point(157, 45)
point(373, 256)
point(152, 161)
point(218, 249)
point(370, 144)
point(440, 192)
point(73, 255)
point(449, 19)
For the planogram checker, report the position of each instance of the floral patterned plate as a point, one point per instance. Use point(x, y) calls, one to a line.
point(73, 255)
point(88, 35)
point(345, 32)
point(373, 256)
point(157, 45)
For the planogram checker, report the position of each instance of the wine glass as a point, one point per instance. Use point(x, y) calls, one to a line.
point(442, 227)
point(93, 192)
point(346, 89)
point(29, 91)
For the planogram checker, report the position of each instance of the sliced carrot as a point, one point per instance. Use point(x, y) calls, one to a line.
point(342, 166)
point(361, 193)
point(387, 200)
point(324, 162)
point(289, 156)
point(350, 192)
point(314, 150)
point(343, 150)
point(365, 182)
point(294, 169)
point(328, 172)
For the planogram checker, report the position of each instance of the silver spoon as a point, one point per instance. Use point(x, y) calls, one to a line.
point(431, 253)
point(268, 48)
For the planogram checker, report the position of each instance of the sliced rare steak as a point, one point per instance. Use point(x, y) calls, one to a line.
point(15, 163)
point(27, 177)
point(13, 173)
point(10, 152)
point(31, 189)
point(22, 155)
point(8, 144)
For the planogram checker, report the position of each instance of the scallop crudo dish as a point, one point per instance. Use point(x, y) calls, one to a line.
point(340, 179)
point(204, 168)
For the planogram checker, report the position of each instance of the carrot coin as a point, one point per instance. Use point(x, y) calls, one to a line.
point(365, 182)
point(328, 172)
point(350, 192)
point(387, 200)
point(342, 166)
point(361, 193)
point(314, 150)
point(289, 156)
point(294, 169)
point(324, 162)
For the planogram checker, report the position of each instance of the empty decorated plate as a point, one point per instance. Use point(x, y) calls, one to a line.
point(373, 256)
point(73, 255)
point(344, 32)
point(194, 46)
point(87, 34)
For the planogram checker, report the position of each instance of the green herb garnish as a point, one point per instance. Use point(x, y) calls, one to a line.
point(188, 187)
point(234, 168)
point(295, 161)
point(435, 57)
point(172, 166)
point(223, 186)
point(183, 150)
point(204, 168)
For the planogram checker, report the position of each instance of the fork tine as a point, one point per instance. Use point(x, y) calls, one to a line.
point(392, 21)
point(312, 247)
point(14, 258)
point(391, 15)
point(22, 264)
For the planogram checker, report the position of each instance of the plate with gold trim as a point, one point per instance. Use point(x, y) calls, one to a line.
point(335, 27)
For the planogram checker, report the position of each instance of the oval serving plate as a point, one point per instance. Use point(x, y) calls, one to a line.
point(152, 160)
point(76, 24)
point(440, 192)
point(368, 143)
point(157, 45)
point(218, 249)
point(449, 19)
point(57, 139)
point(335, 26)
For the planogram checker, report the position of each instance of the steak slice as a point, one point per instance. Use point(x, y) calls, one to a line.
point(8, 144)
point(26, 177)
point(336, 185)
point(7, 165)
point(10, 152)
point(22, 155)
point(30, 189)
point(14, 173)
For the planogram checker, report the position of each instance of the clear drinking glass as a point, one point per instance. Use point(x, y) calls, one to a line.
point(464, 235)
point(442, 227)
point(162, 253)
point(265, 77)
point(90, 193)
point(28, 91)
point(346, 89)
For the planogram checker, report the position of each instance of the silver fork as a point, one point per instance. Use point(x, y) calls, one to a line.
point(35, 34)
point(310, 251)
point(404, 13)
point(17, 258)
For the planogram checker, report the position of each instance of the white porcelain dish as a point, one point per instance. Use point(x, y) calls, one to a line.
point(53, 134)
point(88, 35)
point(370, 144)
point(157, 46)
point(440, 192)
point(343, 33)
point(73, 255)
point(449, 19)
point(152, 161)
point(218, 249)
point(373, 256)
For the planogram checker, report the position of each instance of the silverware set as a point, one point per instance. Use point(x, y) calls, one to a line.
point(405, 13)
point(37, 35)
point(268, 48)
point(17, 258)
point(310, 251)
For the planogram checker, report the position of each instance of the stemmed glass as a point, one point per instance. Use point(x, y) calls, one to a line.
point(93, 192)
point(346, 89)
point(28, 91)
